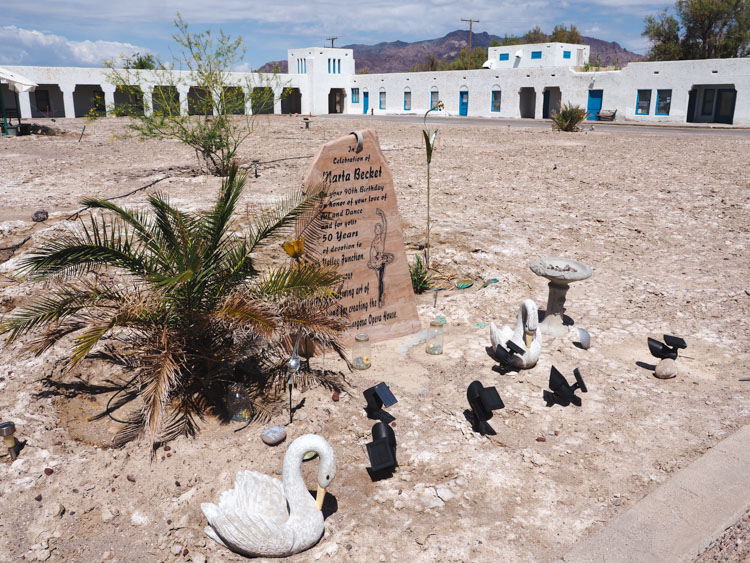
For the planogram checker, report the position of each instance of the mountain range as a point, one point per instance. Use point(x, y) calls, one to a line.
point(400, 56)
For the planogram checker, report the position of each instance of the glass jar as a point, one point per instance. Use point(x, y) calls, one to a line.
point(361, 352)
point(435, 338)
point(238, 403)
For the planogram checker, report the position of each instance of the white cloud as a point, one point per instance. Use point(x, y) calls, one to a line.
point(20, 46)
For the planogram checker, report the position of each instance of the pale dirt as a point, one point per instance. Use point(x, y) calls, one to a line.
point(662, 219)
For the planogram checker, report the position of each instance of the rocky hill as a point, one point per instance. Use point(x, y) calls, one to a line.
point(400, 56)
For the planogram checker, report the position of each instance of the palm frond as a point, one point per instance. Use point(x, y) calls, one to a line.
point(249, 312)
point(159, 375)
point(310, 223)
point(88, 248)
point(280, 220)
point(310, 280)
point(45, 310)
point(217, 222)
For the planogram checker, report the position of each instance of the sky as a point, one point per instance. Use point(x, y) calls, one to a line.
point(87, 32)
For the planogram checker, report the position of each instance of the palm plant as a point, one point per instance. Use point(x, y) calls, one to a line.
point(180, 293)
point(568, 118)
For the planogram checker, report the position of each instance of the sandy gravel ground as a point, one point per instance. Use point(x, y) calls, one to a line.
point(663, 219)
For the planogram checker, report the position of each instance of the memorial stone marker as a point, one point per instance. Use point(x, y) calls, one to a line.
point(362, 237)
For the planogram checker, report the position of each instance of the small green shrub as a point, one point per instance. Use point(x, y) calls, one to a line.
point(568, 118)
point(421, 279)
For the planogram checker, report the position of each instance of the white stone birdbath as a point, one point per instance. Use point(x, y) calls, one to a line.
point(560, 272)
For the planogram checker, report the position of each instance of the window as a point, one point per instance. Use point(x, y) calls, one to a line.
point(407, 101)
point(643, 102)
point(536, 54)
point(304, 66)
point(663, 101)
point(504, 56)
point(339, 67)
point(382, 100)
point(355, 95)
point(496, 100)
point(708, 101)
point(434, 98)
point(566, 54)
point(329, 66)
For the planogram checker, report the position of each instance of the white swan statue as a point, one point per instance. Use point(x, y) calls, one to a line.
point(527, 335)
point(264, 517)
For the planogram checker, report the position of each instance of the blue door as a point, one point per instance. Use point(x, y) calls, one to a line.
point(595, 104)
point(365, 102)
point(463, 106)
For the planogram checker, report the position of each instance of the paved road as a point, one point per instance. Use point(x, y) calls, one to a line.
point(545, 124)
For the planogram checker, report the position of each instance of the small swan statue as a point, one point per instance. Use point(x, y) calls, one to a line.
point(527, 335)
point(264, 517)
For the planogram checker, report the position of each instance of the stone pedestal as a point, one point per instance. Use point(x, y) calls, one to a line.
point(560, 272)
point(552, 324)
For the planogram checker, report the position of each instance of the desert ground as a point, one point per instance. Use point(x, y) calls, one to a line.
point(661, 217)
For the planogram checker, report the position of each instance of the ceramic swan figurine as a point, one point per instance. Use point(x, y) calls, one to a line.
point(264, 517)
point(527, 334)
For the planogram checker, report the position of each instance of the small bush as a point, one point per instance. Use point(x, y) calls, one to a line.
point(568, 118)
point(421, 279)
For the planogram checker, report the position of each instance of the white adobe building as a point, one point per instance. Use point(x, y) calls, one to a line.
point(518, 81)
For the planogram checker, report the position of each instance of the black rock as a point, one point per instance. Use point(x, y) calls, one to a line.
point(39, 216)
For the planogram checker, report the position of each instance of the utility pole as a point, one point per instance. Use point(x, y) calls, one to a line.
point(471, 22)
point(331, 39)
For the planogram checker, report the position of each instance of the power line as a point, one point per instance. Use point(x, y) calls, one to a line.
point(471, 22)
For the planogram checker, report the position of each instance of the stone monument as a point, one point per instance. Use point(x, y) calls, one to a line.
point(362, 237)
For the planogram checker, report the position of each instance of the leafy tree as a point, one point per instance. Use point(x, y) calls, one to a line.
point(180, 296)
point(561, 34)
point(494, 43)
point(140, 62)
point(512, 40)
point(209, 125)
point(705, 29)
point(535, 35)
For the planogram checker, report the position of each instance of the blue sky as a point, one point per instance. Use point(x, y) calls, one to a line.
point(85, 32)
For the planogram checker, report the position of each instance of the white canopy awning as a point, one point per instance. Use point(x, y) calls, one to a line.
point(17, 82)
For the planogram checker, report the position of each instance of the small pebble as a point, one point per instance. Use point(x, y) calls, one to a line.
point(48, 471)
point(169, 455)
point(131, 478)
point(39, 216)
point(176, 483)
point(541, 439)
point(167, 448)
point(335, 397)
point(393, 423)
point(185, 552)
point(38, 498)
point(272, 436)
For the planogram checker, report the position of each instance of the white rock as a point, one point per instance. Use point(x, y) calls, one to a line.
point(666, 369)
point(176, 549)
point(108, 515)
point(429, 499)
point(197, 557)
point(55, 510)
point(138, 518)
point(445, 494)
point(43, 555)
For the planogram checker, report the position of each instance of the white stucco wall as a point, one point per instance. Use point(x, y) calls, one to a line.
point(620, 88)
point(552, 55)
